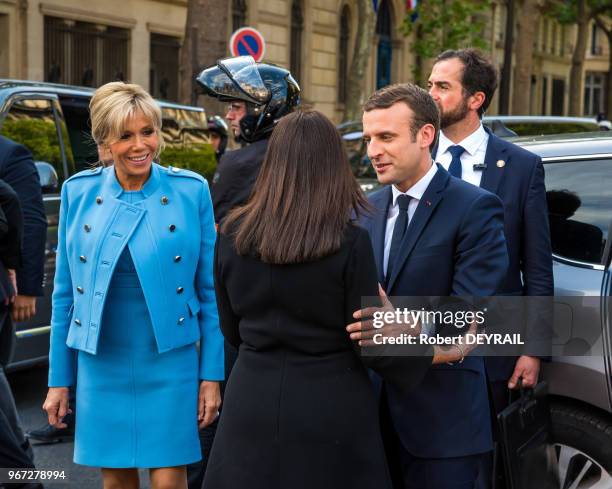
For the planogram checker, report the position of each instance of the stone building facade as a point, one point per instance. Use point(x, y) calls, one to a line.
point(70, 41)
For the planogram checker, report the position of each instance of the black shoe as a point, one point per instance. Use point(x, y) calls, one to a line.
point(50, 434)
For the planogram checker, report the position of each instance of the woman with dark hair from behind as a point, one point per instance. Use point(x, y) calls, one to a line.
point(290, 269)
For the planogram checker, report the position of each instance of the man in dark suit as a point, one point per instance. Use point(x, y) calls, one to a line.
point(15, 451)
point(18, 170)
point(432, 235)
point(462, 84)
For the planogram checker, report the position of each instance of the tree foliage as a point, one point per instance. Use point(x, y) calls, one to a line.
point(38, 135)
point(445, 24)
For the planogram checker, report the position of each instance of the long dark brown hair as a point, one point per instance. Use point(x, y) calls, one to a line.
point(303, 198)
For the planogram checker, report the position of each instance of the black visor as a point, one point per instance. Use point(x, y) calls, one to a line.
point(235, 79)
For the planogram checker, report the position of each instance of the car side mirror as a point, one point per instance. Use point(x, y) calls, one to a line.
point(49, 182)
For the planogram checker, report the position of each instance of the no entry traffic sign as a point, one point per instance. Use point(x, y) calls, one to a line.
point(248, 42)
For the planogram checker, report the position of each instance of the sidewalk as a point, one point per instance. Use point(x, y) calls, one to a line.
point(29, 389)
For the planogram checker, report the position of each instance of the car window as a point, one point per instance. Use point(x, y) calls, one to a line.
point(76, 115)
point(31, 122)
point(579, 197)
point(185, 134)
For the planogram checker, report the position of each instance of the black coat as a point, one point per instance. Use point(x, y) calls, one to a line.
point(299, 409)
point(237, 173)
point(18, 170)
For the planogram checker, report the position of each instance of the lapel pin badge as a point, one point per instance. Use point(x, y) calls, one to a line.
point(501, 163)
point(427, 202)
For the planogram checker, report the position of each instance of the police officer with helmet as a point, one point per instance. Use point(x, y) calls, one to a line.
point(217, 128)
point(258, 95)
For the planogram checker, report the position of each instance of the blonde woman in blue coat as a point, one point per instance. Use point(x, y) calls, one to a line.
point(133, 295)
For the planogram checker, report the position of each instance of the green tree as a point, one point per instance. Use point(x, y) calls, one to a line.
point(527, 22)
point(444, 24)
point(366, 22)
point(606, 27)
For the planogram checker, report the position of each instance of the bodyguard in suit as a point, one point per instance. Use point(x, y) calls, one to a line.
point(18, 170)
point(15, 451)
point(433, 235)
point(462, 83)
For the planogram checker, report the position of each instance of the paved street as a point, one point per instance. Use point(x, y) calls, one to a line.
point(29, 388)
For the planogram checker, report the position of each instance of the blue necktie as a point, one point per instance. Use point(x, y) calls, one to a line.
point(399, 230)
point(455, 166)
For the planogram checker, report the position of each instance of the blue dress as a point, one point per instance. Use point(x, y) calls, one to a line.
point(133, 403)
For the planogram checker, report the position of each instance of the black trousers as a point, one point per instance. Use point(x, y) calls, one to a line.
point(15, 450)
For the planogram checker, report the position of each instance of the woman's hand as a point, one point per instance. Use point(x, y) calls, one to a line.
point(57, 406)
point(209, 402)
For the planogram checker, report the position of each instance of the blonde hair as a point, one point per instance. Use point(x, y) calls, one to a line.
point(113, 104)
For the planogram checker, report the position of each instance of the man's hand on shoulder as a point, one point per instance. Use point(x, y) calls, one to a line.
point(23, 308)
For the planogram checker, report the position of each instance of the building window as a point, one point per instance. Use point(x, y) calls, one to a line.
point(596, 49)
point(239, 14)
point(81, 53)
point(345, 22)
point(385, 48)
point(297, 26)
point(557, 97)
point(594, 93)
point(164, 67)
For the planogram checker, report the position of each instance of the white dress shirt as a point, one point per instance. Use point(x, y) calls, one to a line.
point(416, 192)
point(475, 146)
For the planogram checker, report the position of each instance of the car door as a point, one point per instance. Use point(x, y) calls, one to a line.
point(35, 121)
point(579, 197)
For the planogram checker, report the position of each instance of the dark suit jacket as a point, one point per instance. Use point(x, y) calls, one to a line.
point(18, 170)
point(519, 183)
point(11, 224)
point(454, 246)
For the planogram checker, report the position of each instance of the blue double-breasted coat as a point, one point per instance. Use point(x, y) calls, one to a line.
point(170, 235)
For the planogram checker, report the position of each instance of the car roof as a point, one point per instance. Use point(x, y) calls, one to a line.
point(543, 119)
point(11, 87)
point(567, 145)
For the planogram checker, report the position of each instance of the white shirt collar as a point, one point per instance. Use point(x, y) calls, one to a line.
point(418, 189)
point(470, 144)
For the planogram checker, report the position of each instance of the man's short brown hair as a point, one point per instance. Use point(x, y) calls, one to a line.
point(479, 74)
point(418, 101)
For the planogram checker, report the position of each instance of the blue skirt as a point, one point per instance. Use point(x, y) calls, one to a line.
point(135, 407)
